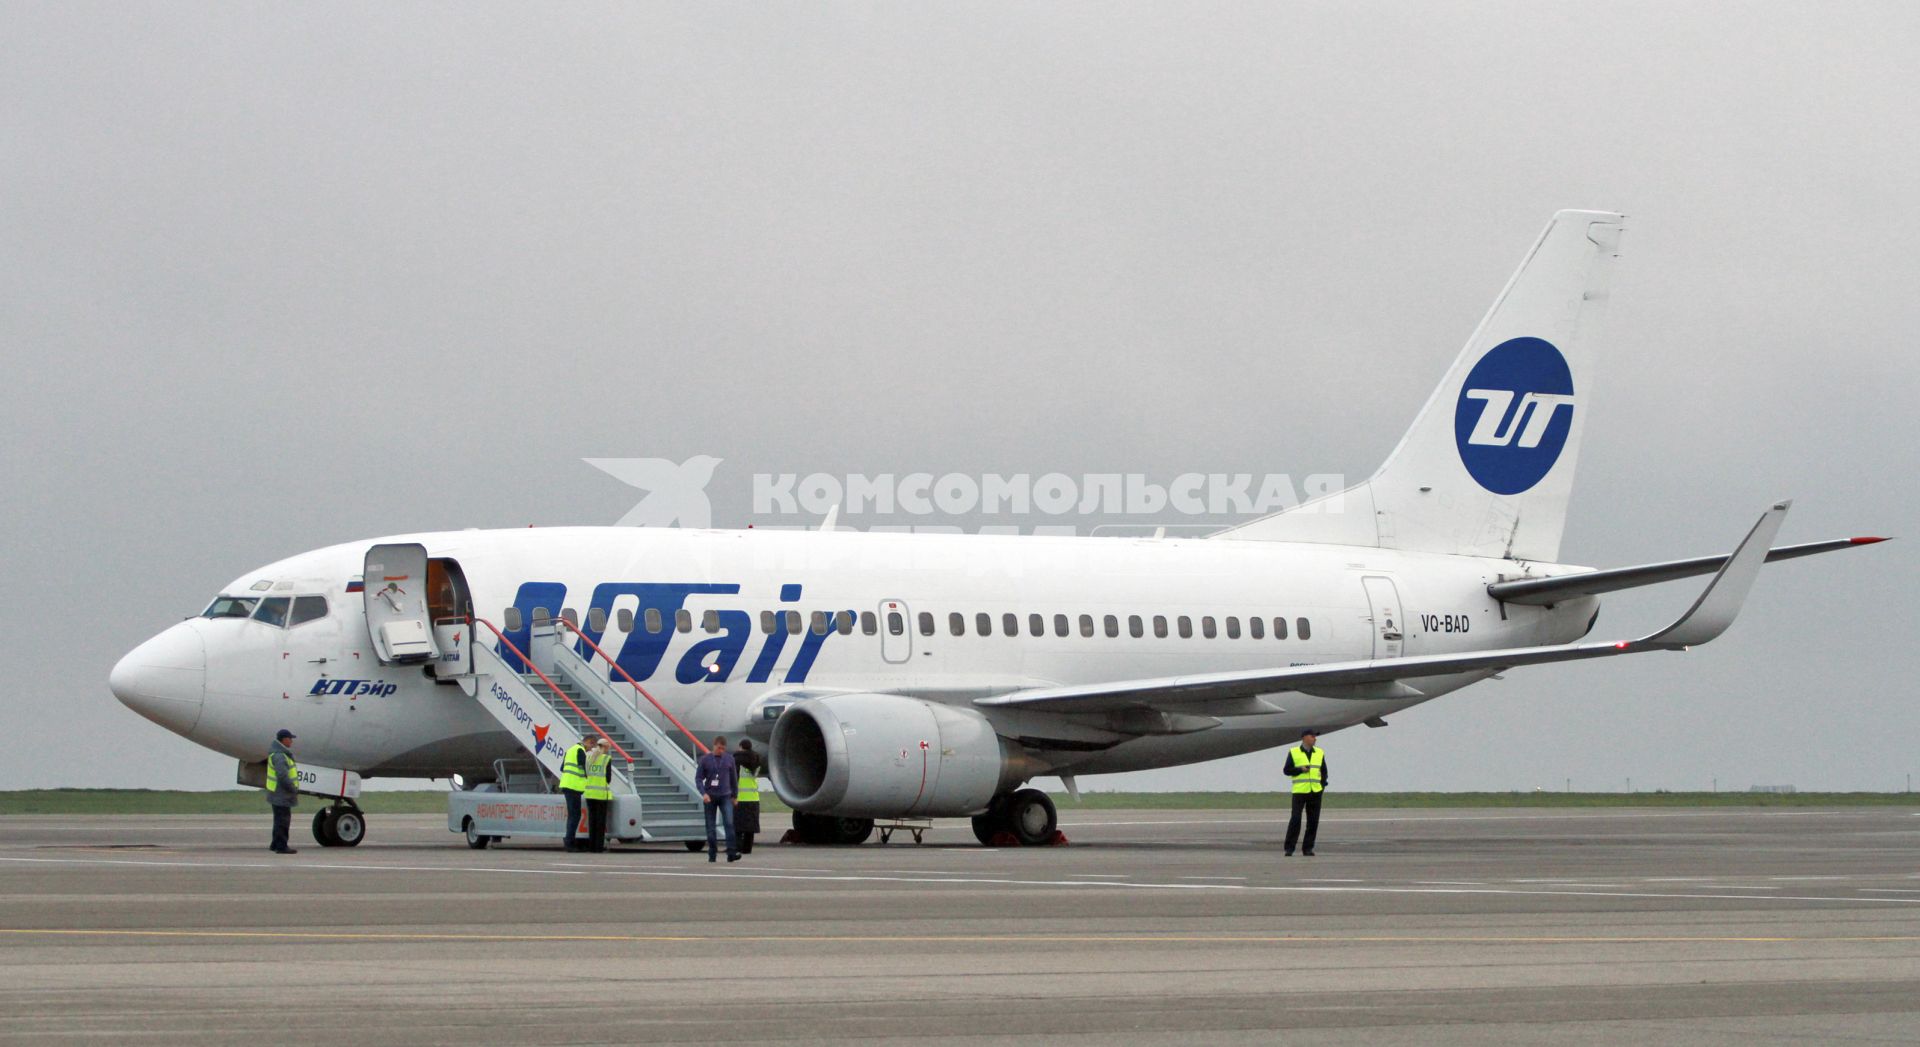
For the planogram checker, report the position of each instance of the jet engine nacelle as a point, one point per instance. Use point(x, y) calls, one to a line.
point(888, 756)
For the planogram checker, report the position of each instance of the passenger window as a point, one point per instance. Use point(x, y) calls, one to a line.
point(229, 607)
point(793, 623)
point(926, 622)
point(896, 625)
point(623, 619)
point(308, 609)
point(541, 616)
point(1135, 627)
point(512, 618)
point(983, 624)
point(1036, 625)
point(819, 623)
point(273, 611)
point(597, 619)
point(1233, 627)
point(1304, 628)
point(1160, 626)
point(1113, 626)
point(1060, 625)
point(1086, 625)
point(683, 620)
point(1186, 627)
point(572, 616)
point(1010, 624)
point(766, 622)
point(1257, 628)
point(710, 621)
point(652, 618)
point(1279, 628)
point(1207, 628)
point(843, 623)
point(870, 623)
point(957, 623)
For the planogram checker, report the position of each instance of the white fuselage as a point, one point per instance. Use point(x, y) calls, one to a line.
point(228, 683)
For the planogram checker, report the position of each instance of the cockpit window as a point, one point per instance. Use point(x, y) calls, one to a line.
point(230, 607)
point(307, 609)
point(273, 611)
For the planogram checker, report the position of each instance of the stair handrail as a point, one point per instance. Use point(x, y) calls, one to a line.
point(635, 684)
point(555, 688)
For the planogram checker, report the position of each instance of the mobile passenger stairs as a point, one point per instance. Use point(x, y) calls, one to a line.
point(550, 696)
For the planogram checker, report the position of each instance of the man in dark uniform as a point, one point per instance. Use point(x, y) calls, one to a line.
point(1307, 766)
point(283, 790)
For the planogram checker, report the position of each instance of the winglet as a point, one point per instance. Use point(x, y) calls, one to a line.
point(1720, 603)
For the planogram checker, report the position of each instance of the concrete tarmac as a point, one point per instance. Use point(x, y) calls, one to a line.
point(1696, 926)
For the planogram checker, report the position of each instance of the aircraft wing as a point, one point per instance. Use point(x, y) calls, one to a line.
point(1709, 616)
point(1543, 591)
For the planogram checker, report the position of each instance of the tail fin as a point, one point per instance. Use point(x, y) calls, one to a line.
point(1488, 465)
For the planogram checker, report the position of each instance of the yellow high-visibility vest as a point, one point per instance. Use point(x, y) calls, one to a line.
point(1311, 777)
point(273, 774)
point(573, 772)
point(598, 788)
point(748, 789)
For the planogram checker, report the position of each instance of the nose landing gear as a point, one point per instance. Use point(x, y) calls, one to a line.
point(341, 825)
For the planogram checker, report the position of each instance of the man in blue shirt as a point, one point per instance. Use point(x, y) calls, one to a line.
point(715, 777)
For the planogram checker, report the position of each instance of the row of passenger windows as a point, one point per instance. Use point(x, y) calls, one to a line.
point(1233, 627)
point(282, 612)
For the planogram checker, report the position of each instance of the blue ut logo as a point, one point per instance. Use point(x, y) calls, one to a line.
point(708, 652)
point(1509, 423)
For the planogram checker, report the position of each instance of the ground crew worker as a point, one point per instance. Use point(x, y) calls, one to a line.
point(573, 782)
point(598, 793)
point(283, 789)
point(746, 797)
point(717, 775)
point(1307, 766)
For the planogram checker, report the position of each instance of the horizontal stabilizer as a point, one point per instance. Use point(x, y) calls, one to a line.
point(1709, 616)
point(1544, 591)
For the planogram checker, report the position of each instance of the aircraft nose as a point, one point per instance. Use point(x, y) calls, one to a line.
point(165, 679)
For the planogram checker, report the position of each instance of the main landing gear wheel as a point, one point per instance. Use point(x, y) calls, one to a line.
point(1032, 818)
point(339, 826)
point(475, 839)
point(829, 829)
point(992, 822)
point(1026, 817)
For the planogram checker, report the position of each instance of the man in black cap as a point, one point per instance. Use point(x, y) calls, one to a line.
point(1307, 766)
point(283, 789)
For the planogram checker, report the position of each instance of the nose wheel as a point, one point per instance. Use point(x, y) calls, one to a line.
point(342, 825)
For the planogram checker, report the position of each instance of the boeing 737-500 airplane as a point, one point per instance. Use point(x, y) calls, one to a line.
point(895, 675)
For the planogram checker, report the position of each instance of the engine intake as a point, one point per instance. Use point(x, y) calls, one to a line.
point(888, 756)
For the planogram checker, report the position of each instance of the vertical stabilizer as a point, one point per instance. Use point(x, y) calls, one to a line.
point(1488, 465)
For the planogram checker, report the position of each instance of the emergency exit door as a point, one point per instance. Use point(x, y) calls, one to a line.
point(398, 620)
point(1388, 623)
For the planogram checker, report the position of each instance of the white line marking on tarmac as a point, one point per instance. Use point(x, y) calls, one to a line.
point(1331, 880)
point(1891, 890)
point(1560, 881)
point(1559, 815)
point(1210, 877)
point(1462, 888)
point(1452, 883)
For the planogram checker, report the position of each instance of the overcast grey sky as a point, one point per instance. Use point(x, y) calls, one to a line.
point(277, 276)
